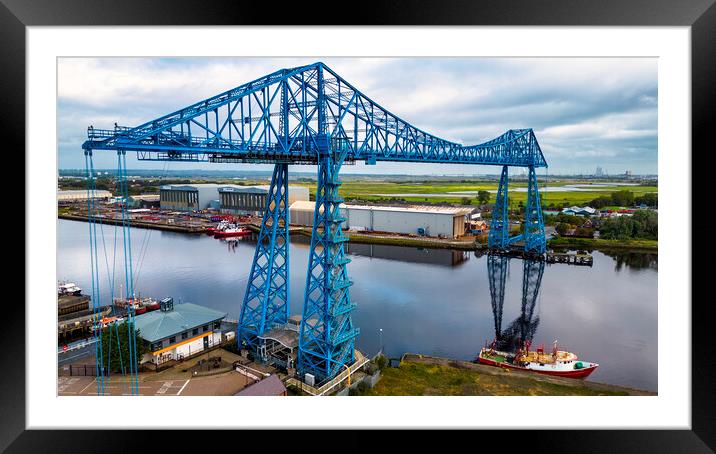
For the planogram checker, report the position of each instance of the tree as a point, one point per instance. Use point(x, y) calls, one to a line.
point(115, 347)
point(483, 197)
point(623, 198)
point(650, 199)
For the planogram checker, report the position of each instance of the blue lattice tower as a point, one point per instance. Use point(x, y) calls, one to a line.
point(499, 236)
point(534, 237)
point(326, 342)
point(266, 301)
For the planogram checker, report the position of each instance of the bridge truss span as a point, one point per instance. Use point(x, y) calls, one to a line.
point(311, 115)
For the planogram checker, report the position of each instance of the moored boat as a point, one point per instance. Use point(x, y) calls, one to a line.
point(232, 231)
point(68, 288)
point(558, 363)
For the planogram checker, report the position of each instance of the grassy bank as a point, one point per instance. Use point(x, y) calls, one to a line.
point(598, 243)
point(421, 376)
point(434, 243)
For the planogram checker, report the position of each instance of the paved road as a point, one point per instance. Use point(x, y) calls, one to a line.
point(77, 354)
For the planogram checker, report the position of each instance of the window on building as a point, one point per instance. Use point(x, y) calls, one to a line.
point(217, 325)
point(205, 328)
point(156, 346)
point(172, 339)
point(195, 331)
point(184, 335)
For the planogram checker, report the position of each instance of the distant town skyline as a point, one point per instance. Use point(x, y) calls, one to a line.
point(586, 112)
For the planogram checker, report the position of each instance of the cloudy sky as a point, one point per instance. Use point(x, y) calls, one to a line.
point(586, 112)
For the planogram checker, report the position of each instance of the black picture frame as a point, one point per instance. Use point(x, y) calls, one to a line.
point(16, 15)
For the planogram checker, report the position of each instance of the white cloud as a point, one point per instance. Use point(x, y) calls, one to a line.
point(582, 109)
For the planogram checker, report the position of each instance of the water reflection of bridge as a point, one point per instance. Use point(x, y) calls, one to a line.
point(524, 327)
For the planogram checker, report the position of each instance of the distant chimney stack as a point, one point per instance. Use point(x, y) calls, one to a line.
point(167, 304)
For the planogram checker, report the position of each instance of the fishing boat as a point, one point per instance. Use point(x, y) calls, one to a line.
point(219, 227)
point(231, 231)
point(559, 363)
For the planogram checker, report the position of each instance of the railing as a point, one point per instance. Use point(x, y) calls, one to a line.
point(359, 362)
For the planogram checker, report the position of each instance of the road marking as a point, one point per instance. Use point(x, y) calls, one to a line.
point(93, 380)
point(182, 388)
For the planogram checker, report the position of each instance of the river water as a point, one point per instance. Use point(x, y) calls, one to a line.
point(430, 301)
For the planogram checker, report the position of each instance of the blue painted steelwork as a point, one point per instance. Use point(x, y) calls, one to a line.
point(533, 228)
point(275, 119)
point(308, 115)
point(327, 337)
point(534, 238)
point(266, 301)
point(499, 236)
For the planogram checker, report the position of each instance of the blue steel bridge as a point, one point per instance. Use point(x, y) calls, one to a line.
point(311, 115)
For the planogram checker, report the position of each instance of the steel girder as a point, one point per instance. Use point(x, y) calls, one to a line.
point(534, 237)
point(266, 300)
point(327, 337)
point(275, 118)
point(533, 228)
point(499, 235)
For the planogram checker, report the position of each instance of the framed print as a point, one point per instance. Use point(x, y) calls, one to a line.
point(447, 220)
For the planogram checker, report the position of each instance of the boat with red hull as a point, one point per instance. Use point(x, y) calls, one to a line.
point(232, 231)
point(558, 363)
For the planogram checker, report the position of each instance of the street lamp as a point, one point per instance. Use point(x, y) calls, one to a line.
point(381, 340)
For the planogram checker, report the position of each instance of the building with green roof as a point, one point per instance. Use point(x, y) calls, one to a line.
point(177, 331)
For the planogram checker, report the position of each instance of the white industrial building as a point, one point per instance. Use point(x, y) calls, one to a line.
point(448, 222)
point(79, 195)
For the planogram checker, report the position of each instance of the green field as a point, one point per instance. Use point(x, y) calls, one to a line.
point(372, 190)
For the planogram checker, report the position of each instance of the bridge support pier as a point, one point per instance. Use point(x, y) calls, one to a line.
point(533, 229)
point(327, 335)
point(266, 301)
point(534, 237)
point(499, 236)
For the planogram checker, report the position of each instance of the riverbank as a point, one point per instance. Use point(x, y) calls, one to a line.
point(634, 245)
point(420, 375)
point(401, 240)
point(468, 243)
point(138, 224)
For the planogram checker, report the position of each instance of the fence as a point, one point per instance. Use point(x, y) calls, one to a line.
point(80, 370)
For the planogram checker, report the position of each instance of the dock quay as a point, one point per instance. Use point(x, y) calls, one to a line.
point(579, 259)
point(179, 228)
point(571, 259)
